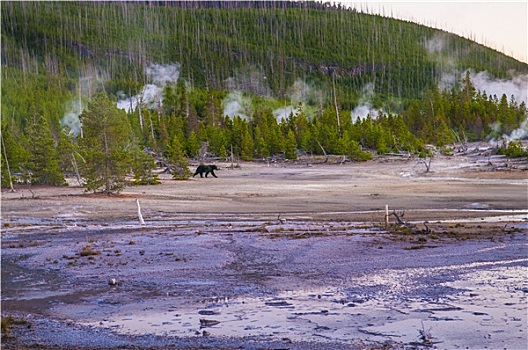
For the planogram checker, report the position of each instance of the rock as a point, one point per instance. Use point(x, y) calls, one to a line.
point(278, 303)
point(208, 312)
point(208, 323)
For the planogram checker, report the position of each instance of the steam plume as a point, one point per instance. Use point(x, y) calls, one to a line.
point(300, 93)
point(517, 86)
point(237, 105)
point(71, 118)
point(283, 113)
point(159, 76)
point(365, 108)
point(85, 88)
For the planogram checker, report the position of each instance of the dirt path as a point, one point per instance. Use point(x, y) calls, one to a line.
point(213, 265)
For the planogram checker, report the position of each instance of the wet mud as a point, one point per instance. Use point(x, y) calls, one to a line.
point(324, 284)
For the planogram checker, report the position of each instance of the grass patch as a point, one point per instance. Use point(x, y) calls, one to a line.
point(415, 247)
point(88, 251)
point(8, 322)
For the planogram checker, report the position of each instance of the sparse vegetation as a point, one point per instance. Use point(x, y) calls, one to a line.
point(8, 322)
point(88, 251)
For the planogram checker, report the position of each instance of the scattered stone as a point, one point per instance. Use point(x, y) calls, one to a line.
point(278, 303)
point(208, 323)
point(478, 313)
point(208, 312)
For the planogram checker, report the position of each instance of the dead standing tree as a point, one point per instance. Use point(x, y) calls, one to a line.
point(203, 152)
point(426, 163)
point(462, 148)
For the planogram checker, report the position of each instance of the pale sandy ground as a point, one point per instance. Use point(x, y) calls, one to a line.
point(327, 276)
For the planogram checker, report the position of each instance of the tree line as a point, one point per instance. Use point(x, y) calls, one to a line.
point(91, 53)
point(114, 143)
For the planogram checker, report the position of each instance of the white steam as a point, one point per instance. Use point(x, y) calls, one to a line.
point(365, 108)
point(363, 111)
point(235, 104)
point(436, 44)
point(85, 88)
point(284, 113)
point(151, 94)
point(520, 133)
point(71, 118)
point(439, 53)
point(300, 93)
point(517, 86)
point(249, 79)
point(160, 74)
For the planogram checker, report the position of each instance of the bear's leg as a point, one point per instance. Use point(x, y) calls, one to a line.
point(212, 173)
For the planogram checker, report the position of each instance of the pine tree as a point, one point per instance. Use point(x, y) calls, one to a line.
point(261, 147)
point(14, 153)
point(193, 145)
point(142, 166)
point(247, 145)
point(44, 158)
point(291, 146)
point(105, 145)
point(179, 162)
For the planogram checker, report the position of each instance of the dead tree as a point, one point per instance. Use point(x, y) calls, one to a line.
point(7, 164)
point(398, 218)
point(75, 168)
point(427, 230)
point(463, 142)
point(413, 228)
point(324, 152)
point(426, 163)
point(203, 152)
point(140, 217)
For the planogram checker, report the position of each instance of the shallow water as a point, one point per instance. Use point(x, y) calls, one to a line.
point(481, 305)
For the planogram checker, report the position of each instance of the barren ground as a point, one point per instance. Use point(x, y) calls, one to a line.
point(215, 267)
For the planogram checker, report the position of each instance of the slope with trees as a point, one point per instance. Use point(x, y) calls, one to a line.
point(330, 57)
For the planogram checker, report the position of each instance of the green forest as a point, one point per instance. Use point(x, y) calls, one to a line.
point(97, 88)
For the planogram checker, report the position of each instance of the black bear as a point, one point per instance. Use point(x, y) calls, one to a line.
point(205, 169)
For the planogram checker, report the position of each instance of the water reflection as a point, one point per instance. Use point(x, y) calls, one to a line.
point(484, 304)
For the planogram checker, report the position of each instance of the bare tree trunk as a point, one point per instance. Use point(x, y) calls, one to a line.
point(140, 114)
point(427, 164)
point(74, 163)
point(324, 152)
point(398, 218)
point(7, 164)
point(335, 104)
point(140, 217)
point(232, 158)
point(203, 152)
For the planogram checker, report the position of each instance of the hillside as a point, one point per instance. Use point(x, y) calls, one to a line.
point(263, 50)
point(292, 78)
